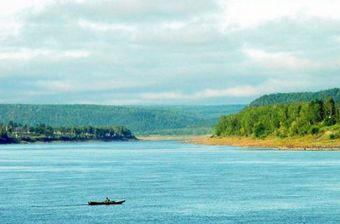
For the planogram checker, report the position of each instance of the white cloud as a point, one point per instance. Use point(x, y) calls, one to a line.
point(337, 39)
point(249, 14)
point(245, 91)
point(68, 86)
point(105, 26)
point(10, 20)
point(9, 27)
point(27, 54)
point(279, 60)
point(15, 6)
point(110, 100)
point(154, 51)
point(163, 96)
point(268, 86)
point(238, 91)
point(190, 32)
point(173, 25)
point(55, 86)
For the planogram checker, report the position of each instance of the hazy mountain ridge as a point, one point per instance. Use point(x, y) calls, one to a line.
point(139, 119)
point(279, 98)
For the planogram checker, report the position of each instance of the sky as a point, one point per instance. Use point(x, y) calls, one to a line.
point(126, 52)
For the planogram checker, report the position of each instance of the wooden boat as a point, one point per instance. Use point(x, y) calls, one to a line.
point(106, 203)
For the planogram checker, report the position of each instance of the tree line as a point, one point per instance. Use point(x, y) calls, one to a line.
point(13, 132)
point(277, 98)
point(141, 120)
point(283, 120)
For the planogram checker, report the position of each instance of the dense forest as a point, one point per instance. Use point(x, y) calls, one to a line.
point(18, 133)
point(141, 120)
point(279, 98)
point(284, 120)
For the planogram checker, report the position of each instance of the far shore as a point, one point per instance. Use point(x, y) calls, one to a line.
point(183, 138)
point(308, 143)
point(68, 141)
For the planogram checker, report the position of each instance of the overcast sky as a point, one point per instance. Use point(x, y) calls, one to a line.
point(166, 52)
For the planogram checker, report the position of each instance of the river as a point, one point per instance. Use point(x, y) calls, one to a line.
point(166, 182)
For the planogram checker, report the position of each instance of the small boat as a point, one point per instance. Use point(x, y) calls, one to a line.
point(106, 202)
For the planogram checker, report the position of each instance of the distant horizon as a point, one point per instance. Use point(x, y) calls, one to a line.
point(127, 105)
point(160, 105)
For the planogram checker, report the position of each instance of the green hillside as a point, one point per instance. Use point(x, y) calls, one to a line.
point(280, 98)
point(141, 120)
point(284, 120)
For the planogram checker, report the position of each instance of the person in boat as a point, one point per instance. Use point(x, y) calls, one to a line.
point(107, 200)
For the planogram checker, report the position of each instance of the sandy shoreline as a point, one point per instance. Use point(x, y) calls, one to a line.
point(308, 143)
point(183, 138)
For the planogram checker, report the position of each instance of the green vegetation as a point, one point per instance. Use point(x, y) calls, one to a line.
point(280, 98)
point(141, 120)
point(17, 133)
point(284, 120)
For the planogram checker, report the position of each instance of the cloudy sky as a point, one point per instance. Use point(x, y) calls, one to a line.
point(166, 52)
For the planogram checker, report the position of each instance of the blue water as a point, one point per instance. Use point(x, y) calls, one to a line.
point(167, 182)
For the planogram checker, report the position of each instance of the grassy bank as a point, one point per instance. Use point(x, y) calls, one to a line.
point(312, 143)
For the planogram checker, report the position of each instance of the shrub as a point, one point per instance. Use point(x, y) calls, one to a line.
point(329, 121)
point(314, 130)
point(332, 136)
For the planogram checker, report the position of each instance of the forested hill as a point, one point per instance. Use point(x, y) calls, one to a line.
point(284, 120)
point(280, 98)
point(141, 120)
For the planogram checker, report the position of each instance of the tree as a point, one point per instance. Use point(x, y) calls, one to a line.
point(329, 106)
point(260, 130)
point(330, 111)
point(281, 120)
point(316, 111)
point(338, 113)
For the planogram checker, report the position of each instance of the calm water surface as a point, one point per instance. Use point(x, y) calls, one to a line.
point(167, 182)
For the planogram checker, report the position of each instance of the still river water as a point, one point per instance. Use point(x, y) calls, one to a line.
point(166, 182)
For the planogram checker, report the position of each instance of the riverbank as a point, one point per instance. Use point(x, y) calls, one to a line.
point(41, 141)
point(13, 133)
point(310, 143)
